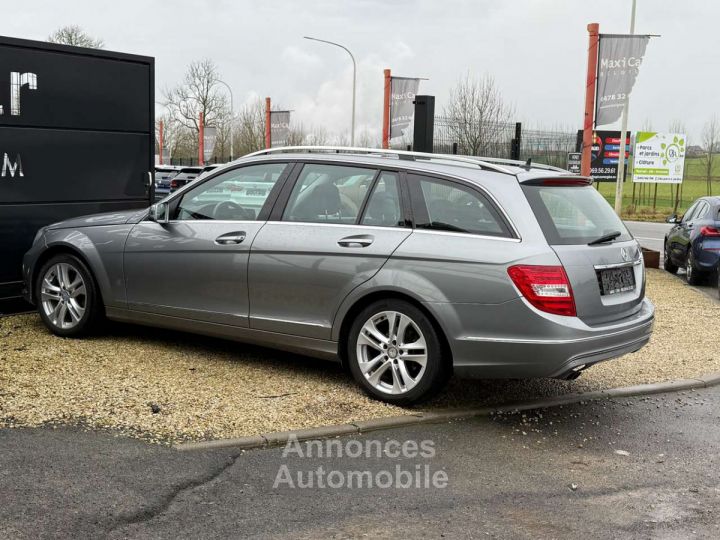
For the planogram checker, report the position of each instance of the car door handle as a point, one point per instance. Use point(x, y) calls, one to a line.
point(359, 240)
point(237, 237)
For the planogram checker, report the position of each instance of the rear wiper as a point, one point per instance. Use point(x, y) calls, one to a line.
point(440, 226)
point(609, 237)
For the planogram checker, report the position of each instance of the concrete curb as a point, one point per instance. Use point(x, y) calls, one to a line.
point(268, 440)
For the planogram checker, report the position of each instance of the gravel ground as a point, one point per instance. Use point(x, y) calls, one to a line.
point(169, 387)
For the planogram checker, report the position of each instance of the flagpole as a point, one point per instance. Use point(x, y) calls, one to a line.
point(623, 137)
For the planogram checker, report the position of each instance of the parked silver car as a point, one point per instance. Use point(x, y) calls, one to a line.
point(406, 270)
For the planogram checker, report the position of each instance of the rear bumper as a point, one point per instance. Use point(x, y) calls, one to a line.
point(522, 344)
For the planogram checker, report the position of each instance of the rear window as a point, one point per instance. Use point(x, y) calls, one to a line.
point(573, 214)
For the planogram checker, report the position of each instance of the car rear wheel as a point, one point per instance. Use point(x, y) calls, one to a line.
point(667, 263)
point(692, 275)
point(67, 297)
point(395, 353)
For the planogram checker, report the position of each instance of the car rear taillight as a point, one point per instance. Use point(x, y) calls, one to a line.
point(567, 182)
point(173, 184)
point(709, 231)
point(545, 287)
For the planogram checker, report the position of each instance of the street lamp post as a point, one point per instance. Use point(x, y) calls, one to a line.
point(232, 115)
point(352, 125)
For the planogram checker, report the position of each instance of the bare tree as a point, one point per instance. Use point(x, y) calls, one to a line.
point(74, 35)
point(677, 126)
point(478, 115)
point(297, 135)
point(711, 142)
point(318, 136)
point(180, 141)
point(367, 140)
point(199, 93)
point(250, 128)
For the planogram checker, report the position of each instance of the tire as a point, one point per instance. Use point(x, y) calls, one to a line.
point(67, 297)
point(382, 367)
point(667, 262)
point(692, 275)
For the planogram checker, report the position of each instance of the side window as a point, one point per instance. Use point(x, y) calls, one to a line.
point(702, 211)
point(383, 207)
point(234, 195)
point(449, 206)
point(689, 214)
point(329, 194)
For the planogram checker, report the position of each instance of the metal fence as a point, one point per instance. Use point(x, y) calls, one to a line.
point(500, 140)
point(193, 161)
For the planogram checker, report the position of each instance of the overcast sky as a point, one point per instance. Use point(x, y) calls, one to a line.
point(535, 49)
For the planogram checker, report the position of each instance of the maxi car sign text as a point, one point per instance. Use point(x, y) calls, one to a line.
point(659, 157)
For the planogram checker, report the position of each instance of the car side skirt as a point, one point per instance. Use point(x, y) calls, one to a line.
point(318, 348)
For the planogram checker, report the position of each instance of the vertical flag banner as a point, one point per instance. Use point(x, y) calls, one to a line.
point(659, 158)
point(209, 138)
point(619, 60)
point(402, 95)
point(279, 128)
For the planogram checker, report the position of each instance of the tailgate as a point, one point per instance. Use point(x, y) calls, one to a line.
point(607, 279)
point(602, 260)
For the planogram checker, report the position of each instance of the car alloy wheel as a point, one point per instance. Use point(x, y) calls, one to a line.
point(392, 352)
point(63, 295)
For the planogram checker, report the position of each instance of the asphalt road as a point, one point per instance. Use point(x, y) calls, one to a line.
point(650, 235)
point(630, 468)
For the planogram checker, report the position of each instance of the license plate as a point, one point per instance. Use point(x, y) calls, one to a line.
point(255, 192)
point(616, 280)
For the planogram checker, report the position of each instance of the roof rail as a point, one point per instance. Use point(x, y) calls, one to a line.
point(519, 163)
point(401, 154)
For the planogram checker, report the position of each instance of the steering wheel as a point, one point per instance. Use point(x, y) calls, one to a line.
point(231, 210)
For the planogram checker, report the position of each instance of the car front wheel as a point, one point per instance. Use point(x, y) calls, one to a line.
point(67, 297)
point(395, 353)
point(667, 262)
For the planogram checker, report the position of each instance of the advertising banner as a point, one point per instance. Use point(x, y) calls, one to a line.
point(402, 108)
point(659, 158)
point(605, 153)
point(279, 128)
point(619, 60)
point(209, 138)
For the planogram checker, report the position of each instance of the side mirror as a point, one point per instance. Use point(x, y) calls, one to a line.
point(159, 212)
point(672, 219)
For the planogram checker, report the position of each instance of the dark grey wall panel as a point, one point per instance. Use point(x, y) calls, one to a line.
point(76, 91)
point(74, 166)
point(79, 140)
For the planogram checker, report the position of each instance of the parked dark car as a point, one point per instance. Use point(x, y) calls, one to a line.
point(185, 176)
point(694, 241)
point(163, 175)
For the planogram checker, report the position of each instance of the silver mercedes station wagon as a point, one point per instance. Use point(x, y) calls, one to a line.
point(405, 267)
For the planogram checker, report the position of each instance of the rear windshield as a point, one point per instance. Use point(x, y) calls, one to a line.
point(573, 214)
